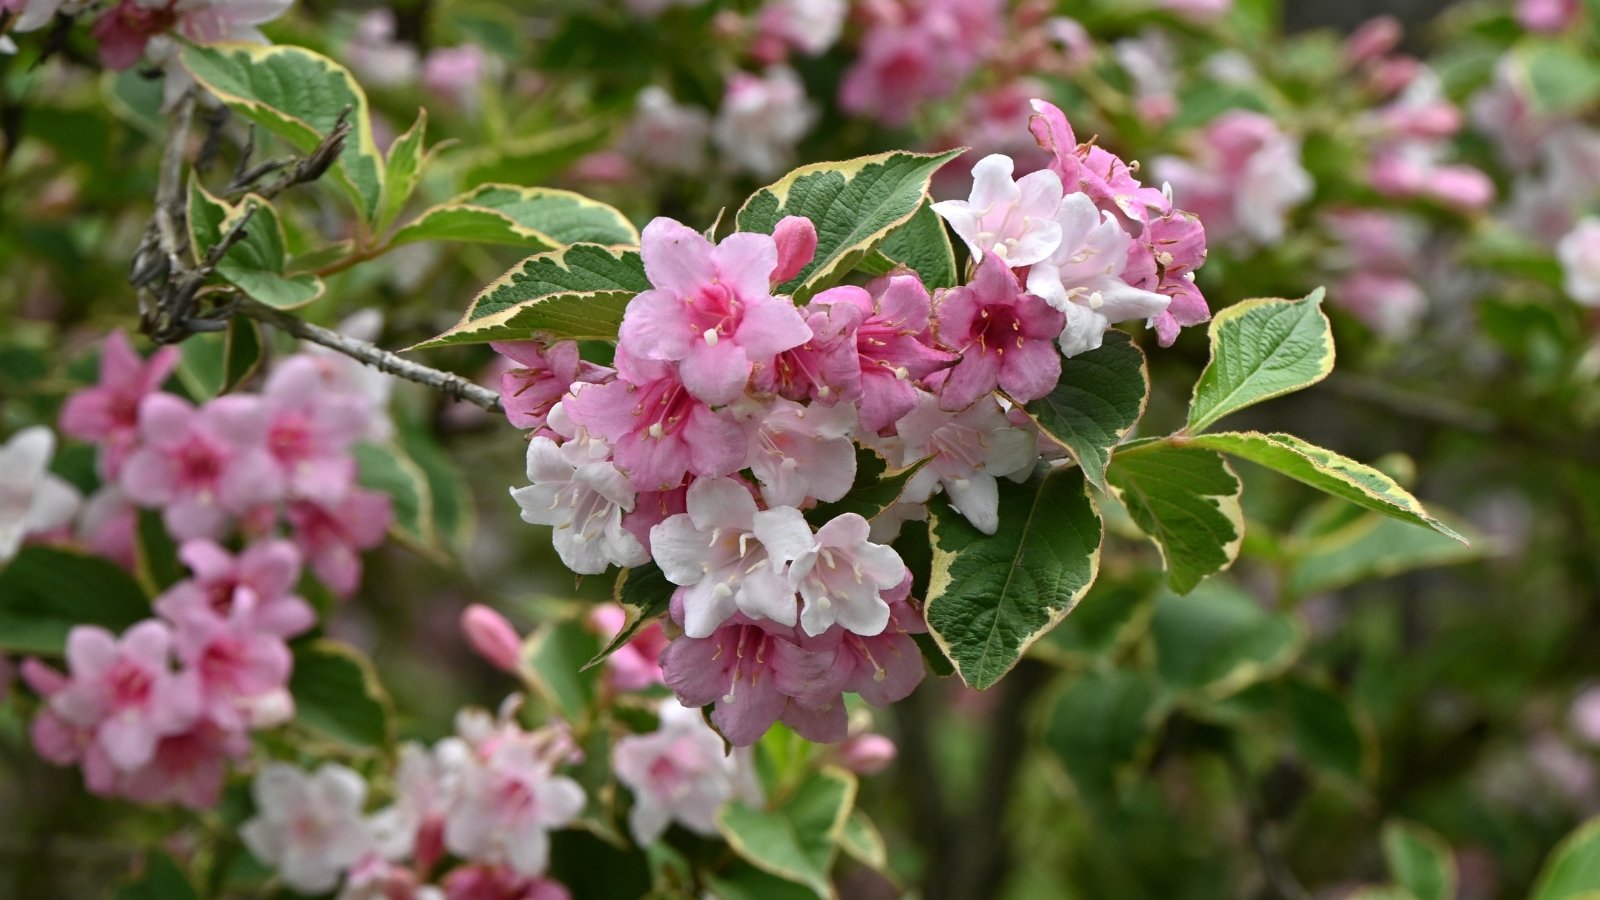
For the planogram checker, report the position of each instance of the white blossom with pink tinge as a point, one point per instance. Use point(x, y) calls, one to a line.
point(842, 576)
point(801, 453)
point(1014, 220)
point(728, 556)
point(32, 500)
point(1579, 253)
point(678, 773)
point(966, 452)
point(509, 801)
point(762, 119)
point(308, 827)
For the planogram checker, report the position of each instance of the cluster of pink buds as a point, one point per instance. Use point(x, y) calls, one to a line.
point(731, 412)
point(156, 714)
point(469, 818)
point(241, 461)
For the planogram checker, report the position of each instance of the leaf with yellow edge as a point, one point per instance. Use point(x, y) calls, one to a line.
point(532, 218)
point(1261, 349)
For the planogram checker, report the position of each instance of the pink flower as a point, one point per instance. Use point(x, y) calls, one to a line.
point(886, 667)
point(308, 827)
point(108, 413)
point(376, 56)
point(842, 577)
point(311, 431)
point(426, 783)
point(124, 691)
point(242, 673)
point(1163, 261)
point(1199, 10)
point(1584, 716)
point(333, 536)
point(657, 428)
point(711, 309)
point(826, 367)
point(1373, 39)
point(202, 466)
point(188, 768)
point(678, 773)
point(802, 453)
point(1579, 253)
point(267, 569)
point(492, 637)
point(1005, 338)
point(809, 26)
point(1014, 220)
point(124, 30)
point(667, 135)
point(728, 556)
point(1245, 178)
point(108, 526)
point(509, 802)
point(1548, 16)
point(500, 882)
point(455, 74)
point(577, 490)
point(894, 348)
point(866, 754)
point(916, 52)
point(375, 878)
point(966, 451)
point(635, 665)
point(761, 120)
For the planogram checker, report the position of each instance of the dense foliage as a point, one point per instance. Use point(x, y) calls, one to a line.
point(929, 469)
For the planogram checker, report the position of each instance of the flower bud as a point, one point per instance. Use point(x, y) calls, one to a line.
point(796, 238)
point(866, 754)
point(492, 637)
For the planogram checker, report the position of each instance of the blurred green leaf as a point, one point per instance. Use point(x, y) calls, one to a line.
point(388, 469)
point(1420, 861)
point(161, 880)
point(337, 693)
point(553, 660)
point(1220, 640)
point(535, 219)
point(1101, 724)
point(797, 838)
point(1572, 871)
point(402, 170)
point(45, 591)
point(1329, 732)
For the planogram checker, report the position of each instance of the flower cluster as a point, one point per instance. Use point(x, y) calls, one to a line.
point(156, 714)
point(730, 414)
point(488, 797)
point(241, 460)
point(1243, 179)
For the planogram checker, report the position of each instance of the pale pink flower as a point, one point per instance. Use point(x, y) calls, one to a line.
point(375, 878)
point(635, 665)
point(492, 637)
point(800, 453)
point(1584, 716)
point(108, 413)
point(657, 429)
point(1548, 16)
point(201, 466)
point(1014, 220)
point(728, 556)
point(1373, 40)
point(667, 135)
point(678, 773)
point(32, 501)
point(1244, 178)
point(124, 30)
point(842, 576)
point(1151, 63)
point(577, 490)
point(500, 882)
point(376, 56)
point(809, 26)
point(267, 569)
point(108, 526)
point(1579, 253)
point(242, 673)
point(1005, 338)
point(426, 784)
point(916, 52)
point(309, 828)
point(966, 452)
point(188, 768)
point(825, 368)
point(1083, 278)
point(866, 754)
point(894, 348)
point(710, 309)
point(1163, 260)
point(456, 74)
point(761, 120)
point(509, 801)
point(124, 691)
point(886, 667)
point(311, 431)
point(1199, 10)
point(332, 537)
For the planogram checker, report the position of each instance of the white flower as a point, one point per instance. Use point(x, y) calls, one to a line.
point(31, 499)
point(729, 556)
point(810, 26)
point(802, 452)
point(761, 120)
point(966, 451)
point(1083, 276)
point(1579, 252)
point(1014, 220)
point(667, 135)
point(842, 577)
point(679, 773)
point(581, 493)
point(508, 803)
point(308, 827)
point(425, 784)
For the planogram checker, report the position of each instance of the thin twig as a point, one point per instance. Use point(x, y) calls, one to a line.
point(382, 360)
point(1274, 867)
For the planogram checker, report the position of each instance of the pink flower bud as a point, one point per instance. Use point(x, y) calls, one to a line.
point(1548, 16)
point(1585, 716)
point(796, 238)
point(866, 754)
point(1373, 40)
point(492, 637)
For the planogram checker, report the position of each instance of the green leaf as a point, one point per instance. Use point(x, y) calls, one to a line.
point(156, 554)
point(297, 95)
point(863, 842)
point(1101, 725)
point(797, 840)
point(922, 245)
point(553, 662)
point(1560, 79)
point(1219, 641)
point(644, 594)
point(255, 264)
point(1261, 349)
point(1187, 501)
point(875, 490)
point(336, 692)
point(990, 597)
point(160, 880)
point(402, 171)
point(388, 469)
point(1572, 871)
point(853, 204)
point(742, 881)
point(1327, 472)
point(1420, 861)
point(533, 218)
point(1330, 733)
point(45, 591)
point(1100, 397)
point(577, 292)
point(242, 356)
point(1372, 547)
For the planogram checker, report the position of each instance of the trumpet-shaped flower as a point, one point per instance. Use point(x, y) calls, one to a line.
point(580, 492)
point(966, 451)
point(801, 453)
point(1004, 337)
point(308, 827)
point(542, 376)
point(842, 577)
point(32, 501)
point(509, 801)
point(894, 348)
point(1014, 220)
point(267, 569)
point(108, 413)
point(678, 773)
point(123, 691)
